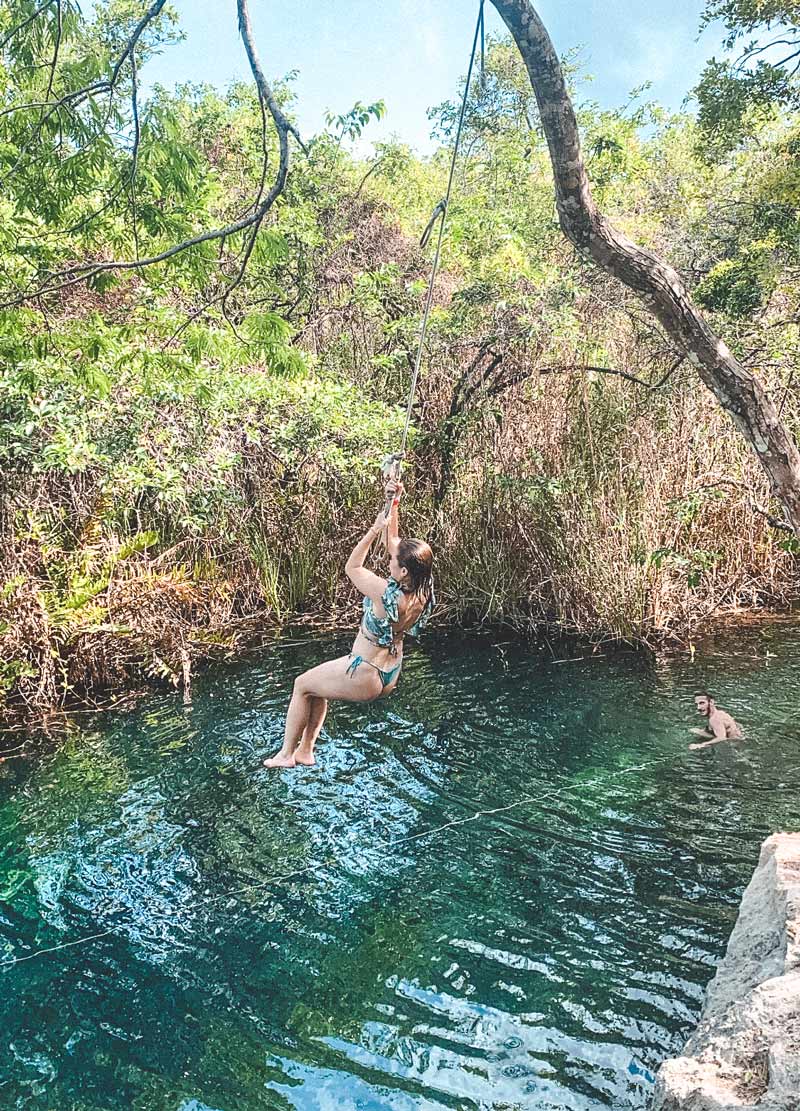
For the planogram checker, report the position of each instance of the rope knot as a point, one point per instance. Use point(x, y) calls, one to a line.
point(440, 210)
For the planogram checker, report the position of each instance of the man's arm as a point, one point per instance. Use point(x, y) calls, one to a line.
point(705, 744)
point(716, 727)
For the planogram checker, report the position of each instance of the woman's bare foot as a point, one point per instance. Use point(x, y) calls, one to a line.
point(280, 760)
point(304, 758)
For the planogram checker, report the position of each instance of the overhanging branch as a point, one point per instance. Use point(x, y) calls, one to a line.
point(571, 367)
point(657, 283)
point(83, 272)
point(25, 23)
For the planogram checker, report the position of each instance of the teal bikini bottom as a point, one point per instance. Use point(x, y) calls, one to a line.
point(387, 677)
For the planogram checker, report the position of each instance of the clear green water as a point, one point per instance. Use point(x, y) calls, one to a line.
point(549, 956)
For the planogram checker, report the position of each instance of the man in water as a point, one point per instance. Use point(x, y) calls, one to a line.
point(720, 727)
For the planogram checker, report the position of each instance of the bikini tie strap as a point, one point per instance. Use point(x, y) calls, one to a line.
point(357, 660)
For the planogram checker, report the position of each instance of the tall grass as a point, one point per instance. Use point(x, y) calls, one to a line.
point(164, 516)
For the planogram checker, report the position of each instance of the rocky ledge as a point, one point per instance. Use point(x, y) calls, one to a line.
point(745, 1053)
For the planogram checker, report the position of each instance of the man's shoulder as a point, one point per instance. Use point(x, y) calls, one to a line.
point(730, 722)
point(719, 719)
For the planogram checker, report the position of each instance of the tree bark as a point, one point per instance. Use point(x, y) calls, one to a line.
point(658, 284)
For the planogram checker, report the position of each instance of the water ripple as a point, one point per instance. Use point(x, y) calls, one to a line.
point(290, 940)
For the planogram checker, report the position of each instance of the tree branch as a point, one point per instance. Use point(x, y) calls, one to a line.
point(85, 271)
point(378, 162)
point(56, 48)
point(771, 519)
point(74, 99)
point(657, 283)
point(137, 137)
point(21, 26)
point(753, 51)
point(570, 367)
point(148, 17)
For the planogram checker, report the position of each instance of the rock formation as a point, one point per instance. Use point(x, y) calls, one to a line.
point(745, 1052)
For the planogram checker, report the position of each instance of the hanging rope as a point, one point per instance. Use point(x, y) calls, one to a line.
point(394, 463)
point(483, 47)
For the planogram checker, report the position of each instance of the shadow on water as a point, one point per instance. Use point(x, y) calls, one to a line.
point(545, 956)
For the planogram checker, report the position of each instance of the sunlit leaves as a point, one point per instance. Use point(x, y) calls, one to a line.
point(736, 94)
point(736, 287)
point(350, 125)
point(270, 334)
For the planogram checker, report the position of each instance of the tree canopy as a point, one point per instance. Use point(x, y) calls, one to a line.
point(187, 447)
point(735, 94)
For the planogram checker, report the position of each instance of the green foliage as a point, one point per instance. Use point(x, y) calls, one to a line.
point(731, 101)
point(736, 287)
point(742, 17)
point(12, 672)
point(689, 508)
point(350, 125)
point(270, 336)
point(735, 95)
point(201, 439)
point(693, 564)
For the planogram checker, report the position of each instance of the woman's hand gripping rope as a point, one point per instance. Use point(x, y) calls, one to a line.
point(387, 517)
point(391, 470)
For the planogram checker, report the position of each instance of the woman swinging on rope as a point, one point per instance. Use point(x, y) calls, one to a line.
point(392, 606)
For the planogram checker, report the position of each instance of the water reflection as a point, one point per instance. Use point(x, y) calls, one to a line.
point(269, 950)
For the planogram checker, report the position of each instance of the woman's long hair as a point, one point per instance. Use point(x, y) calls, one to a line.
point(417, 558)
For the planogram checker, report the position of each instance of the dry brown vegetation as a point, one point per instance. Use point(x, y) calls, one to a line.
point(171, 490)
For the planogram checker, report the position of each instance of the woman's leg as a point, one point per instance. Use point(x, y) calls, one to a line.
point(297, 717)
point(304, 753)
point(328, 680)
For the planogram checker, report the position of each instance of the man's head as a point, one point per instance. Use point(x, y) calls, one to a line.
point(704, 703)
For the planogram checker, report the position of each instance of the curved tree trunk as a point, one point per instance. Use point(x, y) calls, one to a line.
point(658, 285)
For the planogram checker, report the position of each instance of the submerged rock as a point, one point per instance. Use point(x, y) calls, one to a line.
point(745, 1052)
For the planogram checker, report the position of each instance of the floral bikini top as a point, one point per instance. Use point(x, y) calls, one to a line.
point(381, 627)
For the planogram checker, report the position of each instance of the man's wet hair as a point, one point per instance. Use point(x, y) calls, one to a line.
point(705, 694)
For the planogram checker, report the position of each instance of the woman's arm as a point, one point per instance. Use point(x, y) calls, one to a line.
point(370, 584)
point(394, 490)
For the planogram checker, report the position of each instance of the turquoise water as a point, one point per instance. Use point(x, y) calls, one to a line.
point(546, 956)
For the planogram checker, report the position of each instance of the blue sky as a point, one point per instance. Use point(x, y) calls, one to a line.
point(410, 53)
